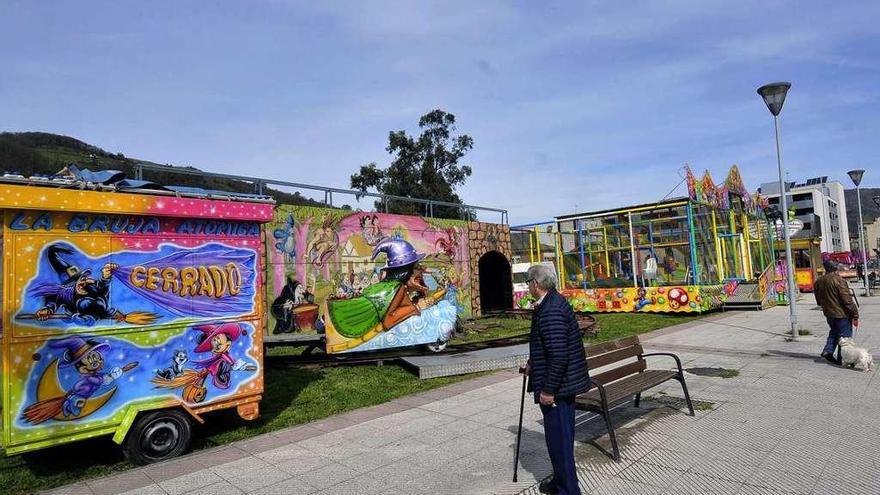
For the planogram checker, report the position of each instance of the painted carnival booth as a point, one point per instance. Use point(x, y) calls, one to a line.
point(366, 281)
point(684, 254)
point(128, 314)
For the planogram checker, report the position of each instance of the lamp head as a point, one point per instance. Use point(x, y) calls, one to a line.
point(856, 176)
point(774, 95)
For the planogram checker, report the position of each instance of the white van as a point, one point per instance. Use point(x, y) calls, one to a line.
point(520, 276)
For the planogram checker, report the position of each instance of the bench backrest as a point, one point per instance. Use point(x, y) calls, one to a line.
point(613, 352)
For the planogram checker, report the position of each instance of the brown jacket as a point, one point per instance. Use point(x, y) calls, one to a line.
point(832, 293)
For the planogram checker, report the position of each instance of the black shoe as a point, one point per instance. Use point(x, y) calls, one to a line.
point(831, 359)
point(548, 486)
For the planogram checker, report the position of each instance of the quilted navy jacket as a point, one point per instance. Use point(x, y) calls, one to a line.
point(556, 352)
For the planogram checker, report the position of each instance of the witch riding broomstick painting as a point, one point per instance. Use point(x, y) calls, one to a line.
point(400, 295)
point(218, 340)
point(78, 297)
point(86, 357)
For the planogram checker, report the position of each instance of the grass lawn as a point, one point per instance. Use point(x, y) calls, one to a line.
point(292, 396)
point(611, 326)
point(618, 325)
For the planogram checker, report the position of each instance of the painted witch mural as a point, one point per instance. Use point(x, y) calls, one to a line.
point(78, 297)
point(294, 309)
point(80, 400)
point(138, 287)
point(340, 270)
point(218, 340)
point(400, 295)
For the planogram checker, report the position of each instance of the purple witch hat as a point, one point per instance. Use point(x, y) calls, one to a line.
point(75, 349)
point(399, 252)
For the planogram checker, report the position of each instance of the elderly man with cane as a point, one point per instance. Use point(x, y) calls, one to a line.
point(557, 368)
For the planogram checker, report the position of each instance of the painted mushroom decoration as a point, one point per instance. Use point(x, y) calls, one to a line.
point(677, 298)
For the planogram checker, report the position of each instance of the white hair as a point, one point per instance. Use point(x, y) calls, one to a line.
point(543, 275)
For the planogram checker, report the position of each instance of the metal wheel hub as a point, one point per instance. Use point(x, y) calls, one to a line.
point(160, 437)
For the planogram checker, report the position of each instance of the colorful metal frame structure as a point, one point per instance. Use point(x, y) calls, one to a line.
point(685, 254)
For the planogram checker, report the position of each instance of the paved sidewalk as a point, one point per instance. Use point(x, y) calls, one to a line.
point(787, 424)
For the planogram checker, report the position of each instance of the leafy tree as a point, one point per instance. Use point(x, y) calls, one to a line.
point(425, 167)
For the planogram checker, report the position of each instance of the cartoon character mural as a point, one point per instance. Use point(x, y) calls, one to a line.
point(164, 285)
point(216, 339)
point(285, 238)
point(87, 358)
point(79, 376)
point(385, 306)
point(450, 243)
point(346, 267)
point(323, 244)
point(371, 230)
point(79, 298)
point(101, 313)
point(294, 309)
point(677, 299)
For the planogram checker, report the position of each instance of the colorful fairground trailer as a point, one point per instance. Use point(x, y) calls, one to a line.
point(129, 314)
point(685, 254)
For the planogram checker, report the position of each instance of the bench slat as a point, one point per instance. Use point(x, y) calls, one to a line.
point(618, 373)
point(596, 349)
point(624, 389)
point(613, 356)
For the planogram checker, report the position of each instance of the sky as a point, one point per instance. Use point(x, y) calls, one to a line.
point(573, 106)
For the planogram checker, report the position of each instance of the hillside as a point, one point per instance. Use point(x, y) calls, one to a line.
point(870, 211)
point(40, 153)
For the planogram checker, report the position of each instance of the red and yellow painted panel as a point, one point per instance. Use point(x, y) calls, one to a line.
point(673, 299)
point(106, 312)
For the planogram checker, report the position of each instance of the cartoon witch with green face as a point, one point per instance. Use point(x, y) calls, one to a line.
point(400, 294)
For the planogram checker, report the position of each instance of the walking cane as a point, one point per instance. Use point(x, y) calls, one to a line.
point(522, 404)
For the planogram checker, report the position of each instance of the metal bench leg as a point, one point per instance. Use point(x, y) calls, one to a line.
point(687, 396)
point(638, 399)
point(611, 435)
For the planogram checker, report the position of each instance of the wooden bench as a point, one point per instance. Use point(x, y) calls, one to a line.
point(618, 384)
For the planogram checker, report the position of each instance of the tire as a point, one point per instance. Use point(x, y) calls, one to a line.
point(157, 436)
point(436, 346)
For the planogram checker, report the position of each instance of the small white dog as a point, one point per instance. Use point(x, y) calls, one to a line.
point(853, 356)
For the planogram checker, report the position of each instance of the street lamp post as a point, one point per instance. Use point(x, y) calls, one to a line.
point(774, 97)
point(856, 176)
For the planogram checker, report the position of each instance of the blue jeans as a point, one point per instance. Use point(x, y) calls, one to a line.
point(559, 434)
point(840, 327)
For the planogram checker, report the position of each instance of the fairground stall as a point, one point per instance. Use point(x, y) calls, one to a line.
point(685, 254)
point(129, 313)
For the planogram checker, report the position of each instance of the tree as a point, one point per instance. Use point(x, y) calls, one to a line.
point(424, 168)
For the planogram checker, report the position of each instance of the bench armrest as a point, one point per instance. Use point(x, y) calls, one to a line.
point(669, 354)
point(601, 388)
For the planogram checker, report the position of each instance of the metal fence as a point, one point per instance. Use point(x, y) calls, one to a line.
point(260, 184)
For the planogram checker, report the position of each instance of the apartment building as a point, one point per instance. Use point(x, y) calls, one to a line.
point(819, 203)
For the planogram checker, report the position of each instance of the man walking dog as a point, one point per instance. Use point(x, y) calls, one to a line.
point(841, 311)
point(558, 370)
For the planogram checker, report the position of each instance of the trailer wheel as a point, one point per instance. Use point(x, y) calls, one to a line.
point(438, 346)
point(157, 436)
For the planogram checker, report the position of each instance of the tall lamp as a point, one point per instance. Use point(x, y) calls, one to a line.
point(774, 97)
point(856, 176)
